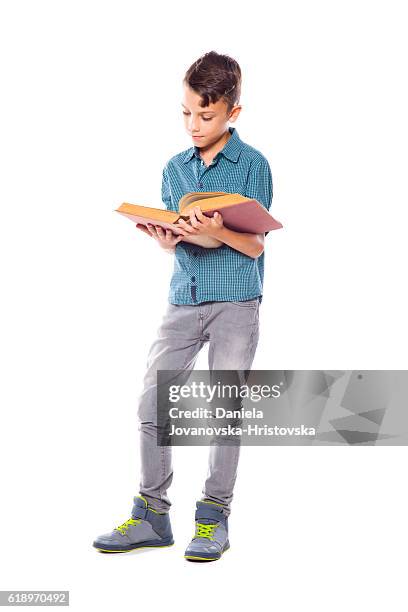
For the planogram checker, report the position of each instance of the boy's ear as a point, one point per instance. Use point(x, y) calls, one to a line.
point(235, 112)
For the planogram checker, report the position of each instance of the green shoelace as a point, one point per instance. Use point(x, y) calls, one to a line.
point(205, 531)
point(125, 526)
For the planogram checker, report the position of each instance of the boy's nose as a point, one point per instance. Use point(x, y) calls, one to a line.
point(193, 126)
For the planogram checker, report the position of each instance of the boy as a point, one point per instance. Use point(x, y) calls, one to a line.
point(215, 294)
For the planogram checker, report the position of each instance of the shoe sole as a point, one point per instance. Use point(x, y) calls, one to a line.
point(146, 544)
point(209, 558)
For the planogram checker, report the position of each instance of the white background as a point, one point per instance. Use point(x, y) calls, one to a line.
point(90, 113)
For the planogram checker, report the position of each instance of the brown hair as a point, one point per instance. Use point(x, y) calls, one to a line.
point(214, 76)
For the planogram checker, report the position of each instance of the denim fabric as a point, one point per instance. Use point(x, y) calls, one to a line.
point(232, 330)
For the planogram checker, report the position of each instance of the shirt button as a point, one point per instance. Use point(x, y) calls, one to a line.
point(193, 279)
point(199, 184)
point(195, 253)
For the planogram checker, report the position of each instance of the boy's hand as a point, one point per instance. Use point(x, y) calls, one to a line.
point(202, 225)
point(165, 238)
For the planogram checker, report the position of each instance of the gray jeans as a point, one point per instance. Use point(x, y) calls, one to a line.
point(232, 330)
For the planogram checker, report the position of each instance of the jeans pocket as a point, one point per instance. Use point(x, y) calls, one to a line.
point(246, 303)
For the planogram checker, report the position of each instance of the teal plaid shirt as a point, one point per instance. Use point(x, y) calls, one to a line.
point(220, 274)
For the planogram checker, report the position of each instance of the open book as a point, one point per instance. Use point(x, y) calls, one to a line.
point(239, 213)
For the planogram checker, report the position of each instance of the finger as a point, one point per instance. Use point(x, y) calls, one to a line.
point(152, 230)
point(200, 215)
point(180, 232)
point(143, 228)
point(169, 235)
point(177, 229)
point(186, 227)
point(194, 221)
point(203, 220)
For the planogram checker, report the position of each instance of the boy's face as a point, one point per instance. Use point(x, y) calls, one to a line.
point(205, 124)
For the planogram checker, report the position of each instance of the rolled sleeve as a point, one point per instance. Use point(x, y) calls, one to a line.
point(259, 185)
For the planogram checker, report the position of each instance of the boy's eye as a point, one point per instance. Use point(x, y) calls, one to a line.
point(205, 118)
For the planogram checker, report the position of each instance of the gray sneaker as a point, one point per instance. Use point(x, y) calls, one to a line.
point(146, 529)
point(211, 537)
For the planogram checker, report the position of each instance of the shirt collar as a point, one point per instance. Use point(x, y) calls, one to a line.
point(231, 149)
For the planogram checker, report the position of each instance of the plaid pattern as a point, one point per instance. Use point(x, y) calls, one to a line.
point(222, 274)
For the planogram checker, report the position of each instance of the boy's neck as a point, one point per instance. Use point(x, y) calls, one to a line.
point(207, 154)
